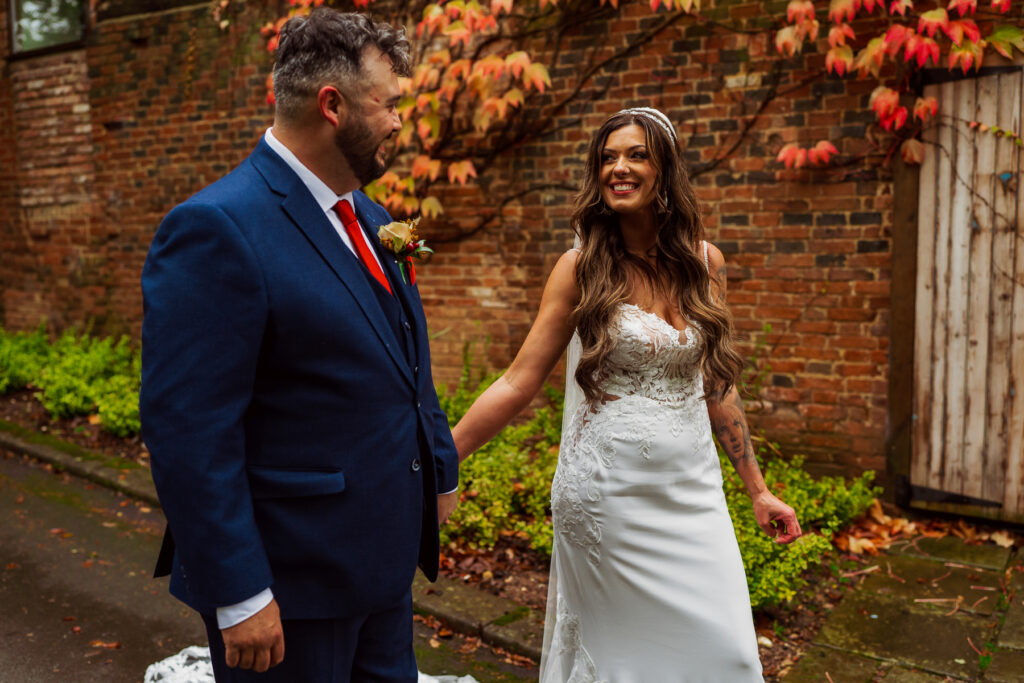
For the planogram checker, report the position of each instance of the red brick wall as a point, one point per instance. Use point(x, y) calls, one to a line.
point(172, 104)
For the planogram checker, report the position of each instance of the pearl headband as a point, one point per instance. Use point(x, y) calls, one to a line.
point(656, 116)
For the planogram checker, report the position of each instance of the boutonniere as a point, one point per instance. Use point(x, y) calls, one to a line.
point(400, 238)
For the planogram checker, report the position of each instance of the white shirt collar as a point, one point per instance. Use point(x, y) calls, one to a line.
point(323, 195)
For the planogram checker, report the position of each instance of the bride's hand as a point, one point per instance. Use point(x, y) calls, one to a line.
point(777, 519)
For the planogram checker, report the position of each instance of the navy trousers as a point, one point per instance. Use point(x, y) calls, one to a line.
point(373, 648)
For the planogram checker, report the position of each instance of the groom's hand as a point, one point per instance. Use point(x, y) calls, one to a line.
point(446, 503)
point(256, 643)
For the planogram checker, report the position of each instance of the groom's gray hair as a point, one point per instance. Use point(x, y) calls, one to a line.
point(326, 48)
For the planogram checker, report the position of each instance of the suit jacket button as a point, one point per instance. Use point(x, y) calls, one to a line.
point(419, 403)
point(415, 465)
point(416, 369)
point(407, 325)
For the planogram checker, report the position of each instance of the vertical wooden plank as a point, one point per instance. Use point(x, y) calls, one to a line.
point(979, 312)
point(959, 251)
point(999, 460)
point(925, 304)
point(1015, 401)
point(906, 181)
point(944, 179)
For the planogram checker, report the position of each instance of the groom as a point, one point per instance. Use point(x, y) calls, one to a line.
point(296, 439)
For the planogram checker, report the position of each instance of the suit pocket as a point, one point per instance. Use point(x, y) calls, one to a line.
point(279, 482)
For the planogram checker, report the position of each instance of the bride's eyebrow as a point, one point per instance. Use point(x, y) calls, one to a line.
point(612, 150)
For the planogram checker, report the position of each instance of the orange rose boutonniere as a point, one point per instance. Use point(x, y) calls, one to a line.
point(400, 238)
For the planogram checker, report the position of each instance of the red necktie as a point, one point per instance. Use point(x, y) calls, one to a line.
point(355, 233)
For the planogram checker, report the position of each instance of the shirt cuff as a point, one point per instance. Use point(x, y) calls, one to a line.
point(232, 615)
point(447, 492)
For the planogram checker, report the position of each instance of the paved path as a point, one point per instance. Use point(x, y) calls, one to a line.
point(900, 625)
point(78, 603)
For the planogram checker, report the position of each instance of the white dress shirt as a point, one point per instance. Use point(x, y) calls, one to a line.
point(324, 196)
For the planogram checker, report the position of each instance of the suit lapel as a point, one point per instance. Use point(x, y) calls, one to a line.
point(311, 221)
point(402, 290)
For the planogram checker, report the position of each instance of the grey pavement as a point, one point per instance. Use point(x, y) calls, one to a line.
point(933, 610)
point(79, 603)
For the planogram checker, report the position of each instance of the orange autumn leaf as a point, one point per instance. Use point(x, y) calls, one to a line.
point(925, 107)
point(536, 75)
point(787, 41)
point(900, 7)
point(424, 166)
point(431, 207)
point(839, 59)
point(799, 10)
point(932, 21)
point(461, 171)
point(821, 153)
point(517, 62)
point(792, 155)
point(869, 60)
point(839, 10)
point(963, 6)
point(838, 34)
point(912, 151)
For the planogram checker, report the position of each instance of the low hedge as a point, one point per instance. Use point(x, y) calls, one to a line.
point(505, 487)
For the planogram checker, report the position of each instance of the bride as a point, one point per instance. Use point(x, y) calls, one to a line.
point(647, 582)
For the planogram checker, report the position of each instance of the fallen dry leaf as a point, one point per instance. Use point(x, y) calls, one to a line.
point(1002, 538)
point(105, 645)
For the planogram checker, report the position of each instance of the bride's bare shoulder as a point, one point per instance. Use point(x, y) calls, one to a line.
point(563, 275)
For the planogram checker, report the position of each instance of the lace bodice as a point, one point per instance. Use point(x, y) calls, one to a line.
point(651, 358)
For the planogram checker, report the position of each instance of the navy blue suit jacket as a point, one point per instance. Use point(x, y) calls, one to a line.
point(294, 443)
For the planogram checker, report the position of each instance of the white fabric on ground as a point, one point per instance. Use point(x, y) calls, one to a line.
point(192, 665)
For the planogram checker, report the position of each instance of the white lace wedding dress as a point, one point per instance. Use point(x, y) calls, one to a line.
point(647, 583)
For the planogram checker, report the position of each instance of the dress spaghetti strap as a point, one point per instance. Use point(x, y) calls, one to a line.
point(705, 243)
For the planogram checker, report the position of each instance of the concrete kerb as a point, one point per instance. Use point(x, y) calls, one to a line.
point(499, 622)
point(134, 482)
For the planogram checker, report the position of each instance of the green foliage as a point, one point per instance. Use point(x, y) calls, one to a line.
point(76, 375)
point(506, 485)
point(774, 572)
point(22, 357)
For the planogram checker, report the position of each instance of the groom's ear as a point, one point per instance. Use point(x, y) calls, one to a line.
point(332, 105)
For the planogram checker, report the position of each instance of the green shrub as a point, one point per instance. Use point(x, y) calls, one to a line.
point(775, 572)
point(76, 375)
point(22, 357)
point(81, 373)
point(506, 484)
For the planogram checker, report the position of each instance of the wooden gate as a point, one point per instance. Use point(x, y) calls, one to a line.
point(968, 400)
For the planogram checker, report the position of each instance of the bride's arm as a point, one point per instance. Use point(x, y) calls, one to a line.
point(544, 345)
point(729, 423)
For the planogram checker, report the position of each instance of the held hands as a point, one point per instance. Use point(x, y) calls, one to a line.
point(776, 518)
point(446, 503)
point(256, 643)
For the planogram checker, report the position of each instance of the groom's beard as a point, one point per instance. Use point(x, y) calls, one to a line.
point(357, 144)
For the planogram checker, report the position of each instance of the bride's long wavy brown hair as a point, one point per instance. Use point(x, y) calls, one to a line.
point(605, 270)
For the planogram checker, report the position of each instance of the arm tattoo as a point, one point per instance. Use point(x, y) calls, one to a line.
point(730, 426)
point(720, 281)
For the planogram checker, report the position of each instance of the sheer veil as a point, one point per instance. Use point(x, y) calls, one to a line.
point(573, 393)
point(550, 669)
